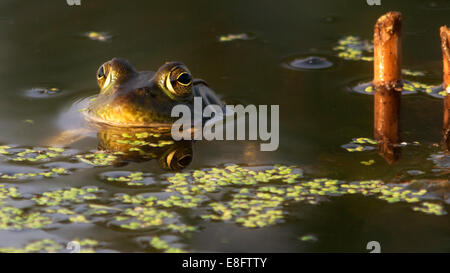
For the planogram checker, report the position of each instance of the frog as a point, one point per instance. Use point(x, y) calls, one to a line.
point(131, 114)
point(129, 98)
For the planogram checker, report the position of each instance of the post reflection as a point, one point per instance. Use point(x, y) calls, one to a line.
point(386, 123)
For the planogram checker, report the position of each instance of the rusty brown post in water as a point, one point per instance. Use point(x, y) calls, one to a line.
point(445, 39)
point(387, 82)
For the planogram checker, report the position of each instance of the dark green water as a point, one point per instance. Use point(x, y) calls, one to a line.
point(43, 44)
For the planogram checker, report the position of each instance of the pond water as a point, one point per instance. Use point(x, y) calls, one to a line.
point(310, 195)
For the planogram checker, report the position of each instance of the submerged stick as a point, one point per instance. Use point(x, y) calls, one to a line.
point(388, 84)
point(445, 44)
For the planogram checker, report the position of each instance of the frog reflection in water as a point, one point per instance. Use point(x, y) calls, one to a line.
point(132, 113)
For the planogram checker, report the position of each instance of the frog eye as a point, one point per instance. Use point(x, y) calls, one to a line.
point(101, 72)
point(179, 83)
point(175, 80)
point(184, 79)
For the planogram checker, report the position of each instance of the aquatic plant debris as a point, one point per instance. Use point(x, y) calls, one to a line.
point(12, 218)
point(98, 36)
point(50, 246)
point(99, 159)
point(73, 195)
point(308, 238)
point(251, 197)
point(368, 163)
point(431, 208)
point(162, 245)
point(355, 49)
point(232, 37)
point(360, 144)
point(409, 87)
point(54, 172)
point(36, 154)
point(127, 178)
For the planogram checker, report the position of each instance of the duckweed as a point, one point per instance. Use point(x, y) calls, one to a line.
point(353, 48)
point(232, 37)
point(12, 218)
point(128, 178)
point(257, 204)
point(162, 245)
point(98, 159)
point(408, 72)
point(252, 197)
point(26, 175)
point(8, 192)
point(98, 36)
point(138, 218)
point(431, 208)
point(409, 87)
point(70, 215)
point(308, 238)
point(360, 144)
point(74, 195)
point(368, 163)
point(31, 155)
point(50, 246)
point(45, 245)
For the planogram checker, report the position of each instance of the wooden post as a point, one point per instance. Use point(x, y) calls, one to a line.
point(388, 84)
point(445, 44)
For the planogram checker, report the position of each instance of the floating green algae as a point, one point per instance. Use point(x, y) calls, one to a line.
point(50, 246)
point(360, 144)
point(355, 49)
point(45, 245)
point(127, 178)
point(69, 214)
point(53, 172)
point(233, 37)
point(409, 87)
point(162, 245)
point(36, 154)
point(71, 195)
point(258, 197)
point(7, 193)
point(139, 218)
point(368, 162)
point(150, 211)
point(431, 208)
point(251, 197)
point(99, 159)
point(12, 218)
point(98, 36)
point(308, 238)
point(408, 72)
point(258, 203)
